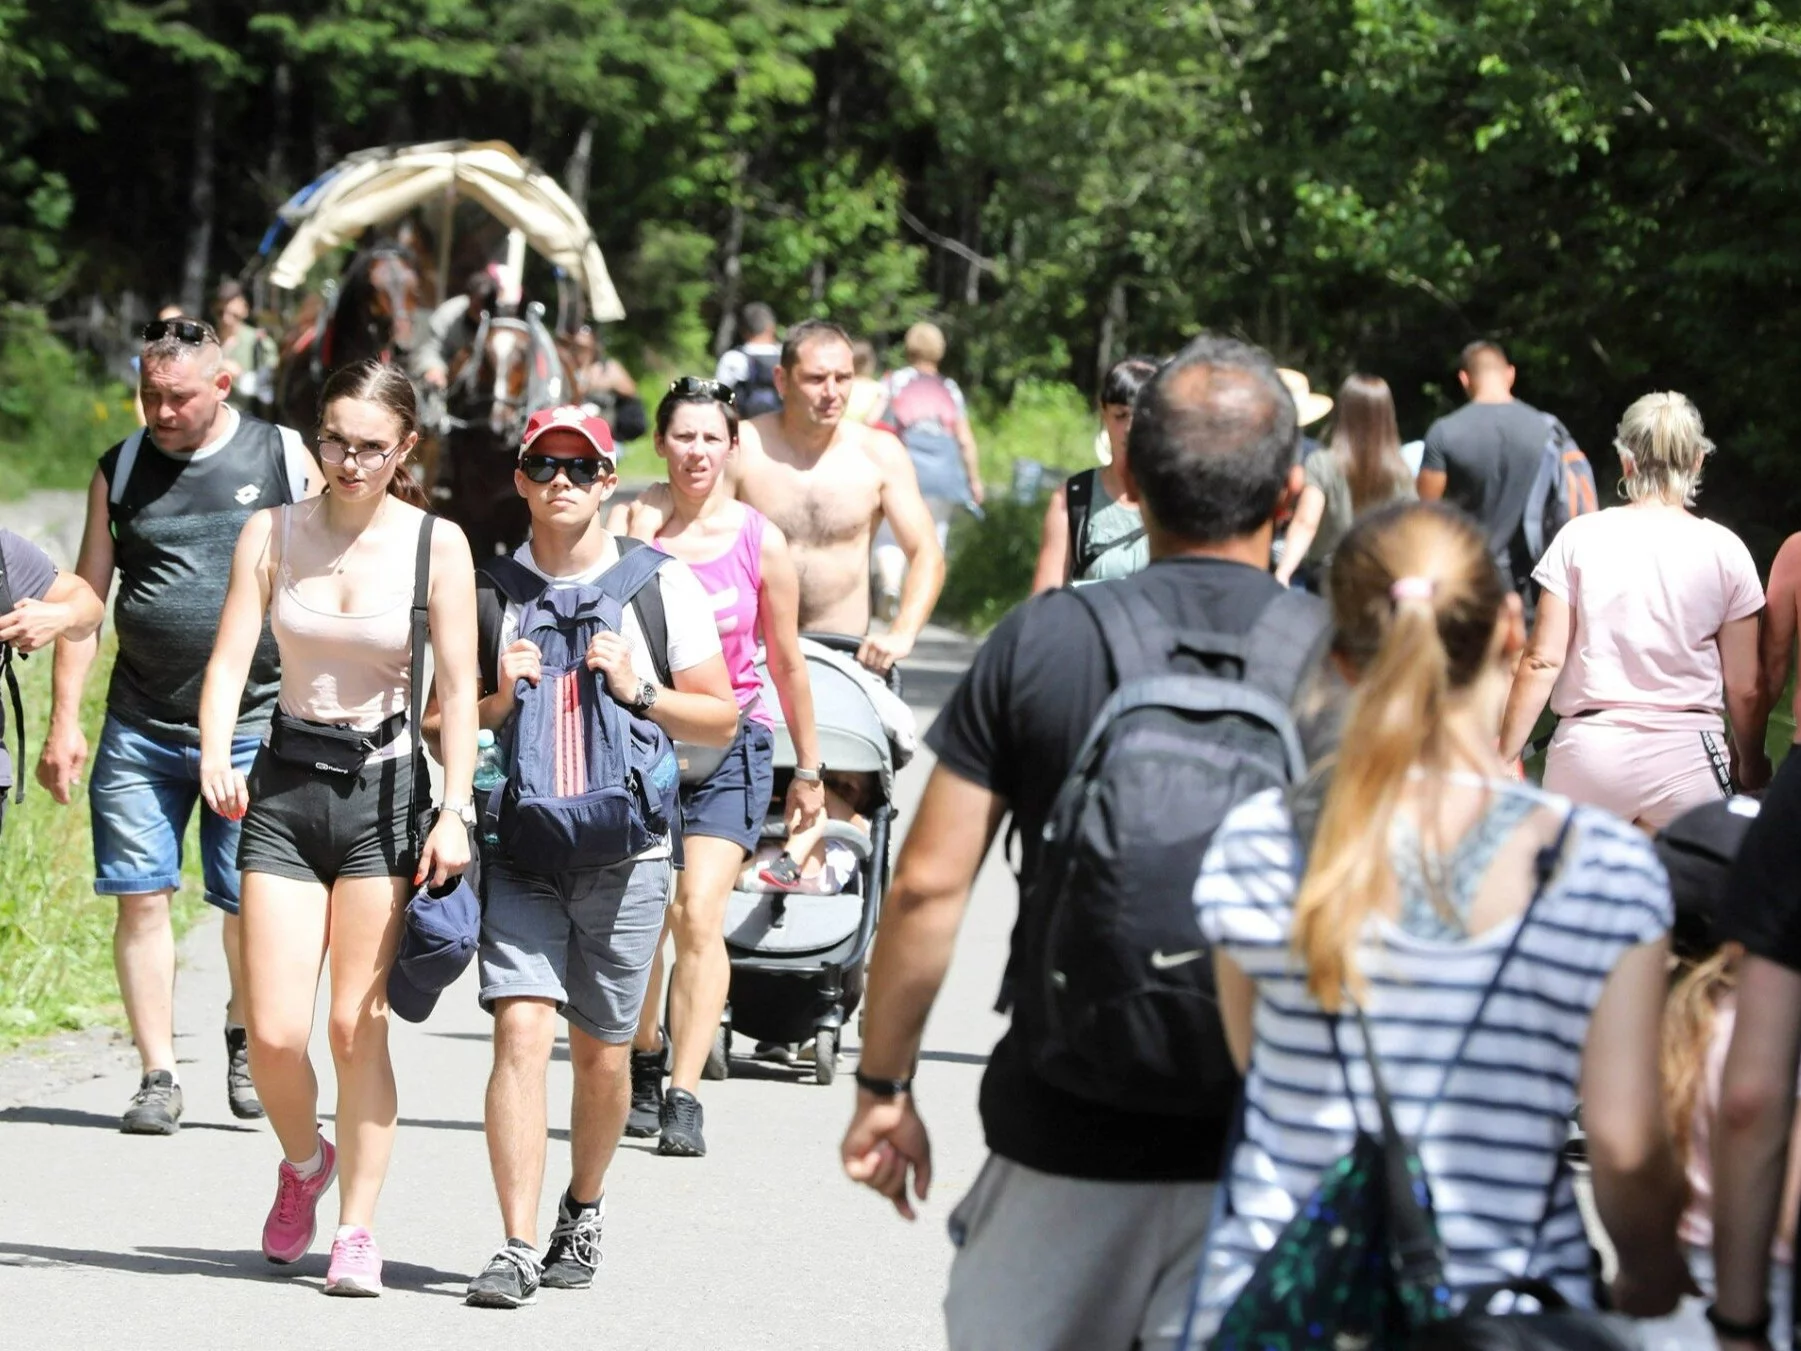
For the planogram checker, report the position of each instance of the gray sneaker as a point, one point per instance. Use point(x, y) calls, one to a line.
point(643, 1121)
point(155, 1108)
point(509, 1281)
point(574, 1253)
point(239, 1091)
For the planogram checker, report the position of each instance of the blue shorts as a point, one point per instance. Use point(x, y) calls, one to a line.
point(140, 795)
point(734, 801)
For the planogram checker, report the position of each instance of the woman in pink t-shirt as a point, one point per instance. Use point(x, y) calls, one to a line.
point(743, 564)
point(1647, 625)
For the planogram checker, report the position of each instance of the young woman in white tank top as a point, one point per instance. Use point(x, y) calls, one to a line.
point(327, 858)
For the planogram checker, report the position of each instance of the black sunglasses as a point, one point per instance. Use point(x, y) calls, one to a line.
point(693, 387)
point(191, 331)
point(581, 472)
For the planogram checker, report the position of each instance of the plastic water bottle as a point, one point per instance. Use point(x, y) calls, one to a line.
point(489, 775)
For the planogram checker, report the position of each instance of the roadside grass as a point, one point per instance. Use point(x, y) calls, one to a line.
point(56, 415)
point(56, 962)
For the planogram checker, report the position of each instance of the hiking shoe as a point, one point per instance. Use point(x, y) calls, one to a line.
point(156, 1106)
point(509, 1280)
point(355, 1265)
point(682, 1119)
point(782, 875)
point(574, 1253)
point(294, 1218)
point(647, 1095)
point(239, 1091)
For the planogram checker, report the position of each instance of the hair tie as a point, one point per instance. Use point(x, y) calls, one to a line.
point(1405, 589)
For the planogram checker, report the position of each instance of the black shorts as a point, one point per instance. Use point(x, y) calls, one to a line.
point(734, 800)
point(1763, 897)
point(316, 827)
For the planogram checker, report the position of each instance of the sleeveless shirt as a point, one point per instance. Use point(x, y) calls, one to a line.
point(1104, 554)
point(174, 533)
point(734, 583)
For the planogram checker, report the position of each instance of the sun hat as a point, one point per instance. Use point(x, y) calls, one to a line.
point(1309, 406)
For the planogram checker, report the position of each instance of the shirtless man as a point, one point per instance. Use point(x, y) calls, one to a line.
point(829, 484)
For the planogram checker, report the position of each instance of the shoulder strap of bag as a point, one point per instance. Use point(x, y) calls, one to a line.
point(1286, 644)
point(12, 689)
point(1078, 506)
point(128, 458)
point(653, 619)
point(1139, 640)
point(498, 581)
point(416, 695)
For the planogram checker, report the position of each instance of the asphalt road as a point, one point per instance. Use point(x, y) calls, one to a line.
point(111, 1240)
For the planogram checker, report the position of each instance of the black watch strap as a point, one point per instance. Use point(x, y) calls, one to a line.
point(1754, 1331)
point(883, 1088)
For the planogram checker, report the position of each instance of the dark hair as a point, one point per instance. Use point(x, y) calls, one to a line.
point(755, 318)
point(1367, 440)
point(807, 332)
point(1484, 352)
point(372, 381)
point(228, 291)
point(673, 401)
point(1213, 440)
point(1125, 378)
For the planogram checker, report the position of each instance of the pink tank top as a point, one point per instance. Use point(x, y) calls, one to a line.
point(733, 582)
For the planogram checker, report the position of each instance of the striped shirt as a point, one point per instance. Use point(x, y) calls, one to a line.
point(1491, 1144)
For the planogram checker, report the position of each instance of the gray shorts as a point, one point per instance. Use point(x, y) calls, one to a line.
point(1049, 1263)
point(585, 939)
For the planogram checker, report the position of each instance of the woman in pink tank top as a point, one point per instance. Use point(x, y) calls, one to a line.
point(743, 564)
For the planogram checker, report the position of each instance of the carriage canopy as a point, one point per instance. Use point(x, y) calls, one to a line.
point(378, 187)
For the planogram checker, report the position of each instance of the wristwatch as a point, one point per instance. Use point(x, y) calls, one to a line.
point(813, 775)
point(885, 1089)
point(646, 700)
point(463, 811)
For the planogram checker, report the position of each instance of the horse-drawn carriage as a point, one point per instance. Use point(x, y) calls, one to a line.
point(419, 220)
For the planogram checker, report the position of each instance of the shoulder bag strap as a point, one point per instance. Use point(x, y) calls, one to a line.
point(1139, 640)
point(1286, 644)
point(416, 695)
point(653, 619)
point(1078, 506)
point(12, 688)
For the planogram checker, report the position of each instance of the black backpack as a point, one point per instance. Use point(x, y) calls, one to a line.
point(757, 394)
point(1111, 983)
point(8, 778)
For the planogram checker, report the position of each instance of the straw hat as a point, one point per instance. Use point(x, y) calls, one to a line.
point(1309, 406)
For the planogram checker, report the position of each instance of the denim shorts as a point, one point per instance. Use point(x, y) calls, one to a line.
point(585, 939)
point(734, 800)
point(316, 827)
point(140, 795)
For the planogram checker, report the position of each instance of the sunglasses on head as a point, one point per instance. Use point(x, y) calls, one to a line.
point(694, 387)
point(581, 471)
point(191, 331)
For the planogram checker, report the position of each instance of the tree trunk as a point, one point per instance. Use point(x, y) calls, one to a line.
point(731, 271)
point(1113, 328)
point(198, 257)
point(575, 177)
point(972, 237)
point(275, 171)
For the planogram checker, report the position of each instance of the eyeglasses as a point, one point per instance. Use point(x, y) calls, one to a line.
point(693, 387)
point(582, 471)
point(191, 331)
point(368, 458)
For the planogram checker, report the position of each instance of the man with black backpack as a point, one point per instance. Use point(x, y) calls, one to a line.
point(594, 651)
point(1117, 724)
point(749, 368)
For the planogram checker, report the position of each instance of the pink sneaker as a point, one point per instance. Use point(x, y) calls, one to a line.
point(355, 1265)
point(293, 1219)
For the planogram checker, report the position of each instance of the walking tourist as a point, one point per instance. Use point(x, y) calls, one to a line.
point(329, 851)
point(749, 368)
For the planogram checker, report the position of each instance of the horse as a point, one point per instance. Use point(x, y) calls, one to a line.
point(511, 370)
point(374, 314)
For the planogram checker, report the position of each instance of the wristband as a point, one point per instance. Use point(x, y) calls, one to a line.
point(886, 1089)
point(1753, 1331)
point(804, 775)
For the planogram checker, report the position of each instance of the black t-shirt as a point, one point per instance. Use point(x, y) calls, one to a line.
point(1489, 454)
point(1762, 906)
point(1013, 726)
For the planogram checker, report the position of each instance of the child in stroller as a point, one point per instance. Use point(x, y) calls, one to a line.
point(810, 863)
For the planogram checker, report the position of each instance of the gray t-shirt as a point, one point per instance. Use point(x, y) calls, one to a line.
point(29, 572)
point(1325, 470)
point(1489, 454)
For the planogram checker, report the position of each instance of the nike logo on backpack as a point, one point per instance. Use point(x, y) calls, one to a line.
point(1164, 961)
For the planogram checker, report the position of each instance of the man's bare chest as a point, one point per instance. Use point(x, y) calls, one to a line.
point(819, 506)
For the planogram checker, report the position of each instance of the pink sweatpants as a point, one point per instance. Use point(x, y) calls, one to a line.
point(1637, 775)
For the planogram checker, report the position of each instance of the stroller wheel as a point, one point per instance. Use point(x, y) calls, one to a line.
point(825, 1055)
point(719, 1055)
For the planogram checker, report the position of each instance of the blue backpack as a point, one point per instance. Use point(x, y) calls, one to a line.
point(1562, 489)
point(588, 784)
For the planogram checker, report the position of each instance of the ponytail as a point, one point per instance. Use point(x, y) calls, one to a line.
point(1416, 598)
point(1689, 1016)
point(407, 488)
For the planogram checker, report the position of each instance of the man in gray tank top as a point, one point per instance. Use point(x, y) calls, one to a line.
point(164, 508)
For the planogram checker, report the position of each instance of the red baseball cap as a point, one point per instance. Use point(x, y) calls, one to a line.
point(571, 418)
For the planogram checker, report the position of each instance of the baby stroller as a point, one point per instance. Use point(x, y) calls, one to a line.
point(797, 960)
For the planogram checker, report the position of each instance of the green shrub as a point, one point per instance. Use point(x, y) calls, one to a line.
point(56, 416)
point(990, 564)
point(1046, 421)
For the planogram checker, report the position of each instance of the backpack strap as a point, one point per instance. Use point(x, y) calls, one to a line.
point(128, 458)
point(1286, 644)
point(1139, 640)
point(12, 688)
point(416, 695)
point(653, 619)
point(1078, 506)
point(498, 581)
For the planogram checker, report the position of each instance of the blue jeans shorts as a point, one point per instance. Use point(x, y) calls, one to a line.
point(140, 794)
point(733, 802)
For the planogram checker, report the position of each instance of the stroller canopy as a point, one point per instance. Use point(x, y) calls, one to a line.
point(851, 736)
point(378, 187)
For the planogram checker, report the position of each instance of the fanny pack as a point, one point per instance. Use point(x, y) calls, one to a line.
point(329, 748)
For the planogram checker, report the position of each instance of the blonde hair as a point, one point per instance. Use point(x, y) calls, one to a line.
point(925, 342)
point(1416, 598)
point(1689, 1015)
point(1661, 445)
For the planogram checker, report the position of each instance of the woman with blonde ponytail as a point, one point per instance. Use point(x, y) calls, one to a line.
point(1647, 630)
point(1507, 948)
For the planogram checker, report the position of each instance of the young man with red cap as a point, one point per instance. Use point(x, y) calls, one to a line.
point(576, 942)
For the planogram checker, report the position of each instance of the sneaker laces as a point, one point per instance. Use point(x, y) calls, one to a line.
point(582, 1233)
point(685, 1111)
point(356, 1245)
point(521, 1259)
point(149, 1092)
point(290, 1194)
